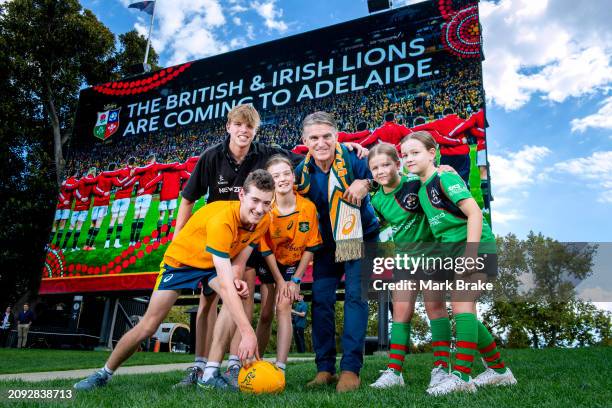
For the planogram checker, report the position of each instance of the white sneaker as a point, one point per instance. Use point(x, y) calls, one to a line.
point(117, 244)
point(452, 383)
point(388, 379)
point(107, 244)
point(491, 377)
point(438, 374)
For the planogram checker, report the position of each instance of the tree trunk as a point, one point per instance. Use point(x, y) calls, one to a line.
point(57, 136)
point(534, 340)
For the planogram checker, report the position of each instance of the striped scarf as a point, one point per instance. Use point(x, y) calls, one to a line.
point(345, 217)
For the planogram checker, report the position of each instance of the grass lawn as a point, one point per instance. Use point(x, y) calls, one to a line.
point(547, 378)
point(37, 360)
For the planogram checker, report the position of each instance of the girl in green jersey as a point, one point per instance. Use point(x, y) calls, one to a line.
point(456, 219)
point(396, 203)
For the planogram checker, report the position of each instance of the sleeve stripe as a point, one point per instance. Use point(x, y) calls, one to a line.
point(266, 253)
point(218, 253)
point(254, 245)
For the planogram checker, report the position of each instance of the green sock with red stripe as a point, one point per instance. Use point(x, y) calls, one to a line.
point(440, 341)
point(400, 339)
point(467, 338)
point(488, 350)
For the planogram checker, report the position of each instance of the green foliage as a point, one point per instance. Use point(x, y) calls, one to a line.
point(131, 52)
point(55, 47)
point(546, 313)
point(49, 50)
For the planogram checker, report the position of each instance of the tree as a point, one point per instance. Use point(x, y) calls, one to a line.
point(49, 50)
point(55, 47)
point(534, 299)
point(131, 52)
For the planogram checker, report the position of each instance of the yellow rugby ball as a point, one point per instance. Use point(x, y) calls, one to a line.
point(261, 377)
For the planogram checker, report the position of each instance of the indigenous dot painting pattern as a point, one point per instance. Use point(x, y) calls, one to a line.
point(461, 31)
point(56, 267)
point(155, 80)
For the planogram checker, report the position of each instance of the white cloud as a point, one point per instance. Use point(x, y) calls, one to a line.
point(271, 14)
point(600, 120)
point(250, 32)
point(595, 170)
point(511, 176)
point(596, 294)
point(402, 3)
point(237, 8)
point(185, 29)
point(237, 21)
point(238, 43)
point(517, 169)
point(552, 48)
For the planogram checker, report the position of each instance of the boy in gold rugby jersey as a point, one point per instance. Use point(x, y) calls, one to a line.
point(212, 248)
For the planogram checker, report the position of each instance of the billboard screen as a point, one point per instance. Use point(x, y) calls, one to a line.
point(417, 67)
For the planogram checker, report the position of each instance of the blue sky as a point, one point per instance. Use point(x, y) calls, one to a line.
point(548, 81)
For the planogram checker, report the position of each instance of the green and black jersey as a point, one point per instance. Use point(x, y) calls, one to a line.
point(401, 209)
point(439, 197)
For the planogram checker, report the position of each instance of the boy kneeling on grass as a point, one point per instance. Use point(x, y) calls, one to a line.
point(212, 248)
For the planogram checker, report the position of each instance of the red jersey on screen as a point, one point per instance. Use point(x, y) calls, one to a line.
point(127, 183)
point(101, 190)
point(66, 194)
point(191, 163)
point(145, 174)
point(353, 137)
point(445, 131)
point(474, 126)
point(170, 178)
point(300, 149)
point(83, 192)
point(389, 132)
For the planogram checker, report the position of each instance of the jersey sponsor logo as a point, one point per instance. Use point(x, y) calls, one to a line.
point(222, 181)
point(457, 188)
point(304, 226)
point(348, 226)
point(224, 190)
point(290, 226)
point(168, 277)
point(406, 226)
point(107, 123)
point(436, 220)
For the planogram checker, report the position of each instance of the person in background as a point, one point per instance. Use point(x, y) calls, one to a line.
point(25, 319)
point(6, 324)
point(299, 323)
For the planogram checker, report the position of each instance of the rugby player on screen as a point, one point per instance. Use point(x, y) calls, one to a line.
point(121, 203)
point(65, 199)
point(82, 195)
point(170, 179)
point(105, 181)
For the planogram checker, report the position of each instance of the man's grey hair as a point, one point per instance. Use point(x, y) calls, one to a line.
point(320, 118)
